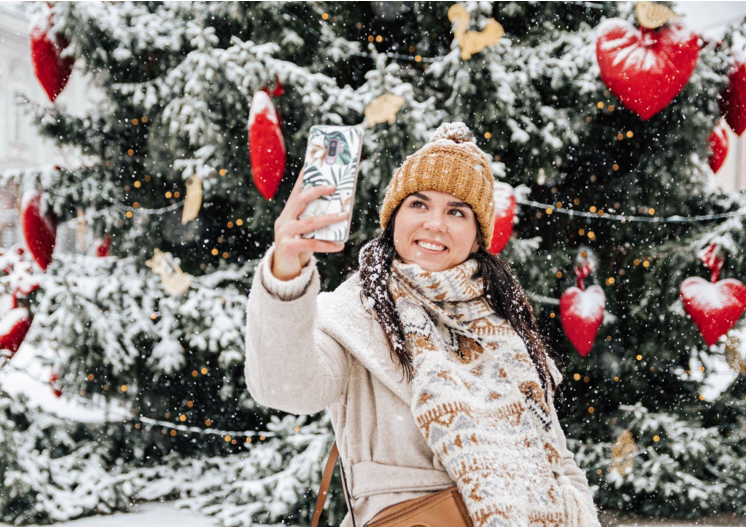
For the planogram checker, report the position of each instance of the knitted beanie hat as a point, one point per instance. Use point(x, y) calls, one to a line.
point(450, 162)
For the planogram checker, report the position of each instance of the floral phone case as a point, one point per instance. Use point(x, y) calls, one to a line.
point(332, 158)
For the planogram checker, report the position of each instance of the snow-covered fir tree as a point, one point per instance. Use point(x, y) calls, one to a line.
point(178, 80)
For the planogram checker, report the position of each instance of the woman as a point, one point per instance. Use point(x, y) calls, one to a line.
point(428, 357)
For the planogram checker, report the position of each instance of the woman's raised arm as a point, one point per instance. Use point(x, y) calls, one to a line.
point(291, 365)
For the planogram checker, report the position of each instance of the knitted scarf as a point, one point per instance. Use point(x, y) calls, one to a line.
point(478, 401)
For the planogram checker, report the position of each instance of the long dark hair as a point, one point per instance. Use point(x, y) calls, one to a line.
point(504, 294)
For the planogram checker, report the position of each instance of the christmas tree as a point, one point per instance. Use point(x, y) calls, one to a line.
point(178, 173)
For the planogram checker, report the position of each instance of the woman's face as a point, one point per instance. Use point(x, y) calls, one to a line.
point(441, 221)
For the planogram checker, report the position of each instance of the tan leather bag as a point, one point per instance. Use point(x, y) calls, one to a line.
point(444, 508)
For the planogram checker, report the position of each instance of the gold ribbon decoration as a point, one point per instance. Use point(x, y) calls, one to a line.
point(193, 200)
point(383, 109)
point(174, 280)
point(473, 41)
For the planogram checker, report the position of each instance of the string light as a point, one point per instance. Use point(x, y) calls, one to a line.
point(625, 218)
point(239, 433)
point(128, 417)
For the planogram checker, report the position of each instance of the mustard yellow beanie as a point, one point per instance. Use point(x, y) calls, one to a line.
point(449, 162)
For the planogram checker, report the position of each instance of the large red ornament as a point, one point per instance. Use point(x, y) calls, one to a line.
point(504, 217)
point(39, 230)
point(50, 68)
point(645, 68)
point(13, 328)
point(266, 145)
point(733, 101)
point(582, 310)
point(718, 143)
point(714, 307)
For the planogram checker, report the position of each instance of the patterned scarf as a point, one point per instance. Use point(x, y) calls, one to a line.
point(478, 401)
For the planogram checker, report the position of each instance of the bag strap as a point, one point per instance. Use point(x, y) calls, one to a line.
point(324, 488)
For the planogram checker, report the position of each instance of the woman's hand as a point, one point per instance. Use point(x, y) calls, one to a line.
point(292, 251)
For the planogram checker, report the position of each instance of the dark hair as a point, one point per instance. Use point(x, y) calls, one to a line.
point(504, 294)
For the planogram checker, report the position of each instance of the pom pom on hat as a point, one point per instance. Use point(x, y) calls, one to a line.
point(456, 132)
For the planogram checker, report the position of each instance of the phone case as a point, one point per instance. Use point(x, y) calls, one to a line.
point(332, 158)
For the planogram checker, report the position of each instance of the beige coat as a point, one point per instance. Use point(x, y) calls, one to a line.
point(308, 351)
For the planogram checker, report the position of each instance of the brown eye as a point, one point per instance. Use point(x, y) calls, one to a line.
point(460, 212)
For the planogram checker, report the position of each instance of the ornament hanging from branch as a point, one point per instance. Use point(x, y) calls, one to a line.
point(193, 200)
point(50, 68)
point(734, 355)
point(81, 231)
point(472, 42)
point(277, 91)
point(623, 453)
point(266, 145)
point(714, 306)
point(174, 280)
point(504, 217)
point(102, 249)
point(733, 101)
point(582, 310)
point(54, 383)
point(644, 68)
point(39, 230)
point(383, 109)
point(14, 325)
point(718, 145)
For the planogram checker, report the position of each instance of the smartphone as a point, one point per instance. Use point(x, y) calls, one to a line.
point(332, 158)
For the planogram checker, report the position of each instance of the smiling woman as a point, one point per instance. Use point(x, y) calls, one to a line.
point(428, 357)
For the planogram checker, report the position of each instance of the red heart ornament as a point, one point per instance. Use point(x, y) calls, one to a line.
point(643, 67)
point(13, 328)
point(39, 230)
point(50, 68)
point(715, 308)
point(504, 216)
point(718, 144)
point(581, 314)
point(266, 145)
point(733, 101)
